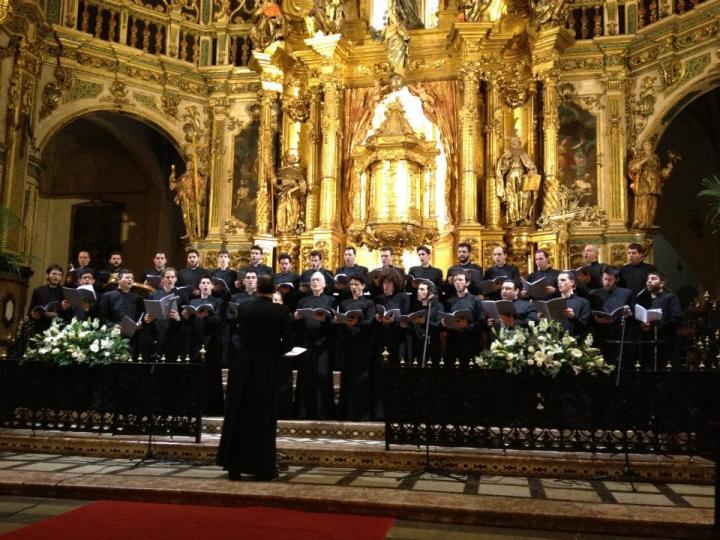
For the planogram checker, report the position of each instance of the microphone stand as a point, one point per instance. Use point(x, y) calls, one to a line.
point(620, 350)
point(628, 474)
point(426, 339)
point(427, 467)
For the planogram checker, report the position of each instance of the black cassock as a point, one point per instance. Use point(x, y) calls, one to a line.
point(465, 344)
point(394, 338)
point(354, 346)
point(666, 345)
point(42, 296)
point(314, 396)
point(607, 336)
point(417, 335)
point(165, 337)
point(206, 332)
point(247, 445)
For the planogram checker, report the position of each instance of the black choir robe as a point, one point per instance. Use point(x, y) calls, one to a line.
point(261, 270)
point(390, 336)
point(577, 326)
point(430, 273)
point(314, 395)
point(248, 441)
point(206, 332)
point(667, 338)
point(165, 337)
point(352, 353)
point(551, 276)
point(417, 335)
point(596, 271)
point(115, 304)
point(607, 336)
point(42, 296)
point(634, 276)
point(289, 294)
point(475, 275)
point(190, 277)
point(466, 343)
point(305, 278)
point(509, 271)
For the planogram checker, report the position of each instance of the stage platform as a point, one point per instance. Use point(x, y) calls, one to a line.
point(344, 467)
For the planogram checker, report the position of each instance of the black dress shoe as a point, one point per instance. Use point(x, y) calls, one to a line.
point(234, 476)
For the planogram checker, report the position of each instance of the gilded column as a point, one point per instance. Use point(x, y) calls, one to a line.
point(313, 163)
point(551, 125)
point(469, 125)
point(493, 133)
point(216, 166)
point(329, 159)
point(18, 140)
point(615, 116)
point(266, 165)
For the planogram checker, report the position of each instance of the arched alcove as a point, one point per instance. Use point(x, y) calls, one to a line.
point(104, 187)
point(685, 247)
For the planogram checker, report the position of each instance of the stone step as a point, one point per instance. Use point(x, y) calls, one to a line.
point(371, 454)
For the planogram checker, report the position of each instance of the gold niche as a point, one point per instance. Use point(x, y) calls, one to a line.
point(394, 185)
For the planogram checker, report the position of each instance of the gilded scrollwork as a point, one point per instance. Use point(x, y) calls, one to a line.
point(53, 91)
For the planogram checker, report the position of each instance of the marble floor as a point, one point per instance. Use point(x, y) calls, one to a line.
point(602, 496)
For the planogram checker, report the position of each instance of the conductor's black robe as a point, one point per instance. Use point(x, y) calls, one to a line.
point(247, 445)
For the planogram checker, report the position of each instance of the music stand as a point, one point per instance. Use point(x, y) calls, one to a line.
point(427, 467)
point(628, 474)
point(150, 455)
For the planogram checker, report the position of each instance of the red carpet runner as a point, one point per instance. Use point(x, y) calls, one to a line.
point(110, 520)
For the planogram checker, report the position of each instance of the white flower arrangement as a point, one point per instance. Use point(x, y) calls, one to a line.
point(544, 347)
point(78, 342)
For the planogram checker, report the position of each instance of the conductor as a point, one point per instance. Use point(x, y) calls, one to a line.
point(247, 445)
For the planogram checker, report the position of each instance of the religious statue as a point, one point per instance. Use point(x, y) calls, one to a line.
point(517, 183)
point(474, 10)
point(546, 13)
point(268, 25)
point(290, 190)
point(396, 38)
point(190, 193)
point(647, 177)
point(326, 17)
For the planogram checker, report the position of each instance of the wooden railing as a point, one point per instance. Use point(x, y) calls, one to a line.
point(207, 32)
point(593, 18)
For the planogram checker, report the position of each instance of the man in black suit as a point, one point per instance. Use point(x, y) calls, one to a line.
point(248, 441)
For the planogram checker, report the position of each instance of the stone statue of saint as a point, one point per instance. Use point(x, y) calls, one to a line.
point(190, 194)
point(547, 13)
point(290, 190)
point(326, 17)
point(517, 183)
point(396, 38)
point(268, 25)
point(647, 177)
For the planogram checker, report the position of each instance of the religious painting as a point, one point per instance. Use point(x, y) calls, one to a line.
point(245, 165)
point(577, 153)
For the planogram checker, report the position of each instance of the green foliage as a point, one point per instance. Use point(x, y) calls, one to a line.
point(79, 342)
point(544, 347)
point(10, 261)
point(710, 198)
